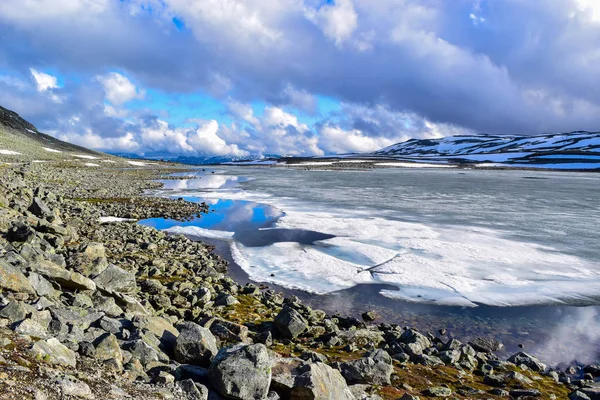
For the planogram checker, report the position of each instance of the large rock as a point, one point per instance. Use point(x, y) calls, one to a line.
point(375, 368)
point(289, 323)
point(12, 279)
point(91, 261)
point(14, 311)
point(528, 360)
point(415, 342)
point(242, 372)
point(75, 316)
point(107, 348)
point(115, 279)
point(53, 352)
point(227, 331)
point(320, 382)
point(32, 328)
point(195, 345)
point(65, 278)
point(39, 208)
point(42, 286)
point(486, 345)
point(160, 327)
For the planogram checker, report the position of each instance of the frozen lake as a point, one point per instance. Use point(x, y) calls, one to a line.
point(463, 239)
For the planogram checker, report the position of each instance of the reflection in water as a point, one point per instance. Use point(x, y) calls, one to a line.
point(204, 182)
point(225, 215)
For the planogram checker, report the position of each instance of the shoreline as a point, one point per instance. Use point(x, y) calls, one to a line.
point(127, 276)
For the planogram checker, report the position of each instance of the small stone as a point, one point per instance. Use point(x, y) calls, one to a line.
point(438, 391)
point(370, 316)
point(71, 386)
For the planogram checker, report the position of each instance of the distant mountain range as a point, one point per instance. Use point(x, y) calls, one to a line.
point(576, 150)
point(193, 160)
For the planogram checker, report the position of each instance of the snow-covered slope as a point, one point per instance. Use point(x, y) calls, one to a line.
point(575, 150)
point(486, 144)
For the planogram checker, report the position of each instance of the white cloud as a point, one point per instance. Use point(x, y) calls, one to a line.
point(119, 89)
point(205, 140)
point(336, 140)
point(44, 81)
point(338, 21)
point(89, 139)
point(33, 10)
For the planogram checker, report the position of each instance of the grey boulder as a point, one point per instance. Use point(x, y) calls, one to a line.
point(195, 345)
point(242, 372)
point(289, 323)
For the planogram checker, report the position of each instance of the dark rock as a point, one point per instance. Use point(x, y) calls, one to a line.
point(192, 391)
point(527, 360)
point(39, 208)
point(375, 368)
point(14, 311)
point(195, 345)
point(370, 316)
point(486, 345)
point(289, 323)
point(528, 393)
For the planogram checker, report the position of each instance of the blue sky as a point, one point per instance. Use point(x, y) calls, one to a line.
point(297, 77)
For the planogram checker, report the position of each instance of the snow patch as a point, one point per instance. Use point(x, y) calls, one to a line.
point(52, 150)
point(137, 163)
point(105, 220)
point(85, 156)
point(9, 152)
point(91, 165)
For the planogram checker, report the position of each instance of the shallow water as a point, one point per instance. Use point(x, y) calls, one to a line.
point(433, 237)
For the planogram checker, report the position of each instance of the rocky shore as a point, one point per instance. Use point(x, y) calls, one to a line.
point(96, 308)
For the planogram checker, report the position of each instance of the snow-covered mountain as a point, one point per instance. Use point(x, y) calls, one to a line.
point(575, 150)
point(492, 144)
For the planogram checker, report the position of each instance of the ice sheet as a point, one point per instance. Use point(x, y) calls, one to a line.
point(200, 232)
point(442, 264)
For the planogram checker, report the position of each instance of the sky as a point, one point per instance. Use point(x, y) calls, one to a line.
point(297, 77)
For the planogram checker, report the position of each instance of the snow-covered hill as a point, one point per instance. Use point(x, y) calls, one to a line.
point(575, 150)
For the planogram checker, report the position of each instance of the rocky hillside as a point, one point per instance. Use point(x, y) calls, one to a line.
point(21, 141)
